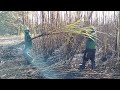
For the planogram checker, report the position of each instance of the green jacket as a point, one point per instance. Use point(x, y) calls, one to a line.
point(28, 40)
point(91, 43)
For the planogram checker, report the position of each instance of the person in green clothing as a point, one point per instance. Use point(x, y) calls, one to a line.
point(90, 50)
point(28, 45)
point(28, 41)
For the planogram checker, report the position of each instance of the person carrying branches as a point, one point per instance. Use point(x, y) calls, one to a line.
point(90, 50)
point(28, 45)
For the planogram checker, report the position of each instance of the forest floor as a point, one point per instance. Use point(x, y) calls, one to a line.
point(13, 66)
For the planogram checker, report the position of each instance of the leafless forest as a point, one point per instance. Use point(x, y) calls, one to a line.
point(56, 53)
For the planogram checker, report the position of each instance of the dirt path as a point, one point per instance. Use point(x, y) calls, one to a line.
point(12, 62)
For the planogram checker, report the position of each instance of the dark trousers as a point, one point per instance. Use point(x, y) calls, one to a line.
point(27, 56)
point(89, 54)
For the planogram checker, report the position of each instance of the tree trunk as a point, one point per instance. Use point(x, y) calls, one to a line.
point(118, 38)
